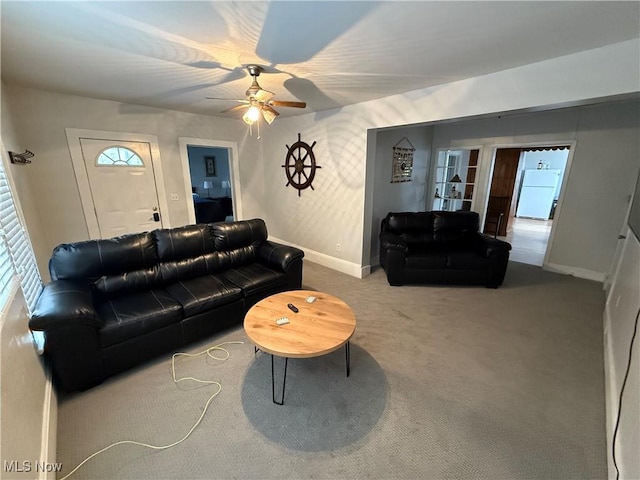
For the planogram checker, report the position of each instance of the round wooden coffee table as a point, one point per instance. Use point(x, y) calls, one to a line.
point(316, 329)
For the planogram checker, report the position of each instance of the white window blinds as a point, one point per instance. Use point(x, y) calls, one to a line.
point(16, 254)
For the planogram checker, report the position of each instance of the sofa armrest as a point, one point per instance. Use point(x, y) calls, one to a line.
point(391, 241)
point(64, 303)
point(490, 246)
point(66, 314)
point(278, 255)
point(393, 252)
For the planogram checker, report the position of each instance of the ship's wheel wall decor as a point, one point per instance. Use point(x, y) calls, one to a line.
point(402, 161)
point(300, 165)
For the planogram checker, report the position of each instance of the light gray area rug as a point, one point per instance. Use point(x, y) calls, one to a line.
point(446, 382)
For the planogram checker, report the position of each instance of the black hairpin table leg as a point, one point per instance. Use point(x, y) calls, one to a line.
point(348, 359)
point(273, 384)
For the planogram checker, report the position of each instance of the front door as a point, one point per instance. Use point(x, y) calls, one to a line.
point(122, 185)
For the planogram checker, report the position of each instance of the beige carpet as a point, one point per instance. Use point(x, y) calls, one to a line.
point(446, 382)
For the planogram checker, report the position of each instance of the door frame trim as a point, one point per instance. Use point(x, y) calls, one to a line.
point(234, 172)
point(82, 178)
point(565, 178)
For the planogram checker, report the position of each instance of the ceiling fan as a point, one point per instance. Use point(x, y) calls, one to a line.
point(259, 102)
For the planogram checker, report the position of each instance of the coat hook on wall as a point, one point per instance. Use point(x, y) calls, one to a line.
point(21, 157)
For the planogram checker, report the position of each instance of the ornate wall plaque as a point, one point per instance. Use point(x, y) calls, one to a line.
point(402, 161)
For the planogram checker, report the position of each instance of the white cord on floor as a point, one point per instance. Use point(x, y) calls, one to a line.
point(176, 380)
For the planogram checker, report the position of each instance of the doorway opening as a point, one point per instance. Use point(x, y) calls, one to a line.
point(210, 173)
point(524, 194)
point(212, 190)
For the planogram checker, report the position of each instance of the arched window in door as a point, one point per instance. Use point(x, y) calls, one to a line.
point(119, 156)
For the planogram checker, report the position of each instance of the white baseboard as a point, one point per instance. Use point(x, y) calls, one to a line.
point(49, 429)
point(575, 272)
point(328, 261)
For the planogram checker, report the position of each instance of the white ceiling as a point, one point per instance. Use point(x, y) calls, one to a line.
point(329, 54)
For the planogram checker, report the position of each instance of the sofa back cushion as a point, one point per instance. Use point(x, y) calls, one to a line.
point(454, 227)
point(139, 262)
point(111, 286)
point(413, 227)
point(183, 252)
point(236, 242)
point(234, 235)
point(184, 242)
point(93, 259)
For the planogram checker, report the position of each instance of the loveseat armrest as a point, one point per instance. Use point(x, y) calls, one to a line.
point(393, 253)
point(391, 241)
point(65, 303)
point(278, 255)
point(497, 252)
point(490, 246)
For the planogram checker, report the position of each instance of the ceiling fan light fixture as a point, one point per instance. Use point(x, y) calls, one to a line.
point(259, 102)
point(269, 115)
point(251, 115)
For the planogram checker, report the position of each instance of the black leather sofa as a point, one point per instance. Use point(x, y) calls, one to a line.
point(440, 248)
point(117, 302)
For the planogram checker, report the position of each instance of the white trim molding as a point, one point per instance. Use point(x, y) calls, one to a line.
point(328, 261)
point(575, 272)
point(48, 441)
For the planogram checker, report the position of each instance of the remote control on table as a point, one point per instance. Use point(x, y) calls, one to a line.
point(311, 299)
point(293, 307)
point(282, 321)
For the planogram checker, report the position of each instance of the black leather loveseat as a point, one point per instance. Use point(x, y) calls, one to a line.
point(117, 302)
point(441, 248)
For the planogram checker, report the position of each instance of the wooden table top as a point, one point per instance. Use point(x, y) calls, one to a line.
point(317, 329)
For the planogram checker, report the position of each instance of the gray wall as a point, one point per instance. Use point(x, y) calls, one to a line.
point(606, 155)
point(340, 208)
point(623, 303)
point(29, 406)
point(599, 181)
point(404, 196)
point(47, 187)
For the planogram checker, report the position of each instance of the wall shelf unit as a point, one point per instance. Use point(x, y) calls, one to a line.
point(454, 180)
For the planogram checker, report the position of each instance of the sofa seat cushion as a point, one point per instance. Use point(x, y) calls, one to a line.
point(429, 257)
point(204, 293)
point(255, 278)
point(467, 260)
point(133, 315)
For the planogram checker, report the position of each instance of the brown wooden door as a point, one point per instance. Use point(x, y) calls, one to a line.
point(501, 192)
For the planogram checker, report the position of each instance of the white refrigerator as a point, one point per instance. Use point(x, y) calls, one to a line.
point(537, 193)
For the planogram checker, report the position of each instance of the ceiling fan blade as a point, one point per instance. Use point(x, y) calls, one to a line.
point(287, 103)
point(227, 99)
point(264, 95)
point(269, 114)
point(234, 108)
